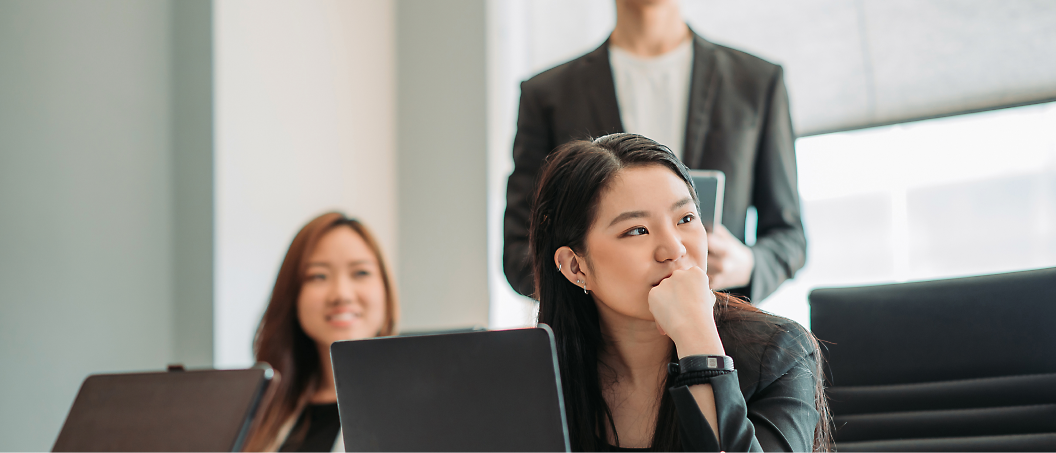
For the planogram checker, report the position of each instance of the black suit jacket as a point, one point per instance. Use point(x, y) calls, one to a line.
point(768, 403)
point(738, 122)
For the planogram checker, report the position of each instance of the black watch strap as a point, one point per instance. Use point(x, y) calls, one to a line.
point(692, 363)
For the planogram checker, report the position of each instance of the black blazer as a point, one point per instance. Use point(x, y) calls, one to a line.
point(768, 403)
point(738, 122)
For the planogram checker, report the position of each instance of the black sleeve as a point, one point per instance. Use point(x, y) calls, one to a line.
point(779, 416)
point(530, 147)
point(781, 247)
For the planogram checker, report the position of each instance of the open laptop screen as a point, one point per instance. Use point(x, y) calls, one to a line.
point(478, 391)
point(207, 410)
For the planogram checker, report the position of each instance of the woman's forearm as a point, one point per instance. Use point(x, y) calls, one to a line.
point(705, 397)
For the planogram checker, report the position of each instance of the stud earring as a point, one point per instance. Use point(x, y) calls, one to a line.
point(580, 282)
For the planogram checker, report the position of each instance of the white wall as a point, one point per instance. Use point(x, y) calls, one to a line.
point(305, 123)
point(87, 201)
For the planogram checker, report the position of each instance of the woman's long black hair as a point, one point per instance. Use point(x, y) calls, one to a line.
point(564, 208)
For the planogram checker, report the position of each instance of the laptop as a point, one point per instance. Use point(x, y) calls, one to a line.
point(208, 410)
point(711, 187)
point(475, 391)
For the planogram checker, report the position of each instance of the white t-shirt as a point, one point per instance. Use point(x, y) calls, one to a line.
point(653, 93)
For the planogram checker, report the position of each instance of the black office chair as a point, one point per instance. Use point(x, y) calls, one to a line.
point(965, 364)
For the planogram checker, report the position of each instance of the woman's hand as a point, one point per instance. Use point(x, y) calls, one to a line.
point(682, 306)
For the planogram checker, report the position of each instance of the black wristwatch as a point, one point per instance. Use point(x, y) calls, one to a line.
point(691, 363)
point(699, 369)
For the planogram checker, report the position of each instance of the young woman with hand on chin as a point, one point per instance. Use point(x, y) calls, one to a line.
point(333, 285)
point(651, 357)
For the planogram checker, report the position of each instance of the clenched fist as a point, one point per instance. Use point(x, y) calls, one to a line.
point(682, 305)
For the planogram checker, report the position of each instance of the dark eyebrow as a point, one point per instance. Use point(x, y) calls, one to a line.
point(353, 263)
point(629, 215)
point(641, 214)
point(681, 203)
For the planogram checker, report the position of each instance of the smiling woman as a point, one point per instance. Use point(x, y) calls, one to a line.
point(620, 260)
point(333, 285)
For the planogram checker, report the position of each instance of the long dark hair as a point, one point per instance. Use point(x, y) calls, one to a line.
point(283, 344)
point(564, 208)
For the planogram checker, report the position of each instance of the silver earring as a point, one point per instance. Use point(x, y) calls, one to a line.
point(559, 268)
point(580, 282)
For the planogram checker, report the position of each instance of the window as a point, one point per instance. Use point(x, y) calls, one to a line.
point(966, 195)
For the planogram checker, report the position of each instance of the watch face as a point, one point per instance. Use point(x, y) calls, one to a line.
point(706, 363)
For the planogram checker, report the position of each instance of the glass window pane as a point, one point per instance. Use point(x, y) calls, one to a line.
point(966, 195)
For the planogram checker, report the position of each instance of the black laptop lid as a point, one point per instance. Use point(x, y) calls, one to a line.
point(206, 410)
point(478, 391)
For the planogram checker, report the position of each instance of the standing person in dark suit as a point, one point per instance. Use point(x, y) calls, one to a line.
point(715, 107)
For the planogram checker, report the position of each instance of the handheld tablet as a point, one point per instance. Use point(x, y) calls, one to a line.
point(710, 186)
point(208, 410)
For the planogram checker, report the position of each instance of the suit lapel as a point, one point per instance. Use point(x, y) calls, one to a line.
point(600, 90)
point(703, 87)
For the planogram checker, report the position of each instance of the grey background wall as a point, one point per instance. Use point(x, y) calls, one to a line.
point(191, 94)
point(105, 190)
point(442, 163)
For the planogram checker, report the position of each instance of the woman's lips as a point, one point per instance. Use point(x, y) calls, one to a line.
point(662, 279)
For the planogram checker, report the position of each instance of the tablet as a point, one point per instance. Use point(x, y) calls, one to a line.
point(208, 410)
point(475, 391)
point(710, 186)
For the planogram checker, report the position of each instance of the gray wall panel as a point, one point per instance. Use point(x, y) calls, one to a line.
point(441, 163)
point(88, 203)
point(192, 177)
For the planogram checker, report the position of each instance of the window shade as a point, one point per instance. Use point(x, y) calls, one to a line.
point(862, 63)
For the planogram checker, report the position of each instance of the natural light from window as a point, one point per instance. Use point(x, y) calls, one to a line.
point(966, 195)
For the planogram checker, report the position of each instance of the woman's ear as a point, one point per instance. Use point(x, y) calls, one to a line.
point(568, 265)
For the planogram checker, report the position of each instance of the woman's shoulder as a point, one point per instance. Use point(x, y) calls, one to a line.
point(765, 347)
point(753, 326)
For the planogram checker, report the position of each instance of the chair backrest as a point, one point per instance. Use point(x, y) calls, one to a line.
point(948, 365)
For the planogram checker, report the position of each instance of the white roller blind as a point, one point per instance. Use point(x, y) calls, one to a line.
point(853, 64)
